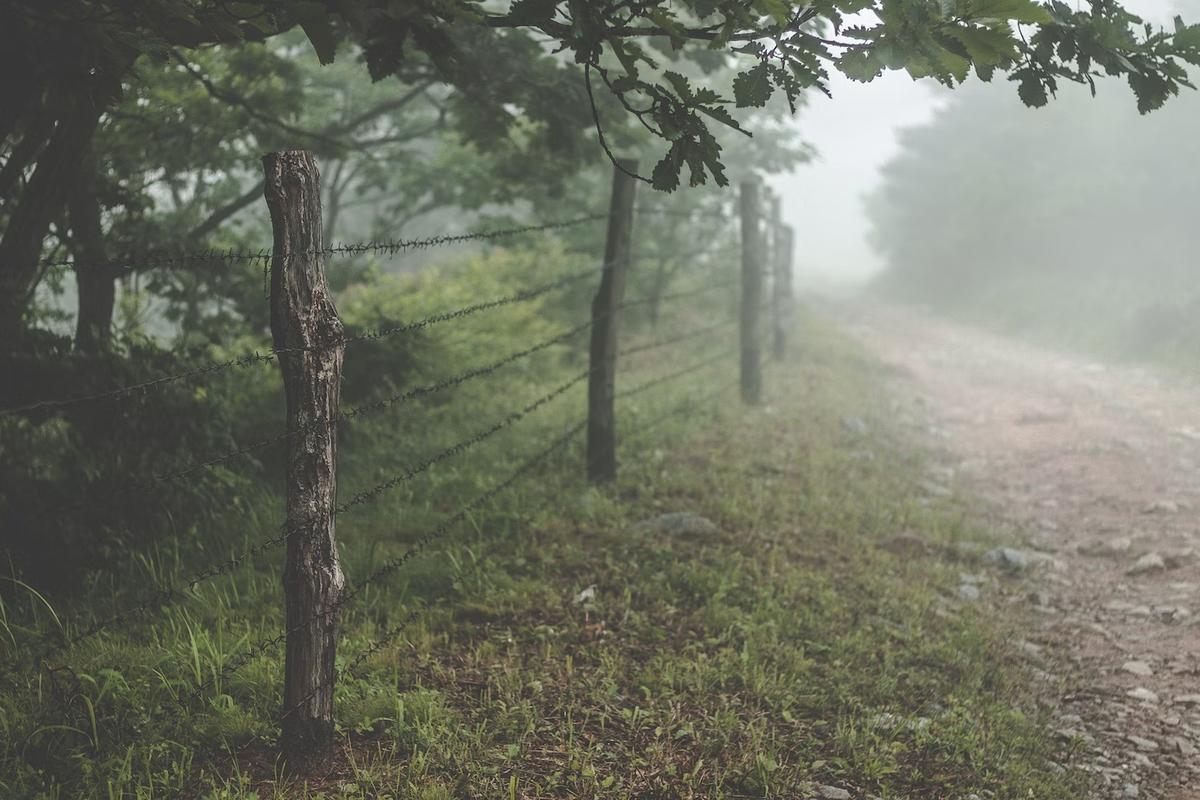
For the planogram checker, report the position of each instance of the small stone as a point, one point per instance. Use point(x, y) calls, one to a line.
point(1006, 558)
point(833, 793)
point(1111, 547)
point(1161, 507)
point(1129, 790)
point(1140, 668)
point(1151, 562)
point(1175, 559)
point(855, 424)
point(968, 592)
point(1187, 700)
point(1143, 694)
point(1185, 748)
point(933, 489)
point(680, 523)
point(1145, 745)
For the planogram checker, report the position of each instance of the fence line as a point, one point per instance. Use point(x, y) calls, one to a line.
point(751, 282)
point(155, 482)
point(440, 530)
point(166, 594)
point(460, 447)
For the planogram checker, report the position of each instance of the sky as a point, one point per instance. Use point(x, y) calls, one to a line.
point(855, 134)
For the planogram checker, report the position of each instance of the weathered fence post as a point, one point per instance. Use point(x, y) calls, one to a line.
point(305, 324)
point(778, 285)
point(602, 423)
point(752, 280)
point(783, 267)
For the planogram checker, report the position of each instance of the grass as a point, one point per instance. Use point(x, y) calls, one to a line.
point(785, 651)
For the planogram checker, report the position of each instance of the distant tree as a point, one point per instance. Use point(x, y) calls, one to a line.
point(1071, 220)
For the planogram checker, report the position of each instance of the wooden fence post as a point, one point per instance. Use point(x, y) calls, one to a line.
point(305, 323)
point(778, 281)
point(752, 287)
point(602, 423)
point(783, 268)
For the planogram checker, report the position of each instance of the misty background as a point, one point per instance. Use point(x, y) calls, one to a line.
point(859, 130)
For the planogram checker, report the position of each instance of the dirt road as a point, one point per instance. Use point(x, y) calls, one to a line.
point(1097, 467)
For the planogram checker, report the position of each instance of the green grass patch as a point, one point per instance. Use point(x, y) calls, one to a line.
point(784, 650)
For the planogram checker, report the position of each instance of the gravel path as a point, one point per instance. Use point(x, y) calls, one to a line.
point(1096, 469)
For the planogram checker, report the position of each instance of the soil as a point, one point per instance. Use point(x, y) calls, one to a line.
point(1095, 471)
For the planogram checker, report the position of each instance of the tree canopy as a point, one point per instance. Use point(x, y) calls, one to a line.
point(544, 70)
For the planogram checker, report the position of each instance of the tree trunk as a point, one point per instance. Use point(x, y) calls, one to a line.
point(752, 287)
point(94, 277)
point(45, 197)
point(305, 322)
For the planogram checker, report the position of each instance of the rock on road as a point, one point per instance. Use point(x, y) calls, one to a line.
point(1097, 467)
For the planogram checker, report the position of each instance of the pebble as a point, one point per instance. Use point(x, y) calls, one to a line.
point(1006, 558)
point(1161, 506)
point(1151, 562)
point(680, 523)
point(1129, 790)
point(1137, 668)
point(1145, 745)
point(1112, 547)
point(1181, 744)
point(855, 424)
point(1143, 694)
point(833, 793)
point(1187, 700)
point(968, 592)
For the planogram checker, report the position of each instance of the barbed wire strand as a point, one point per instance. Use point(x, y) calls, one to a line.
point(455, 449)
point(683, 337)
point(274, 354)
point(390, 247)
point(521, 296)
point(169, 593)
point(677, 374)
point(421, 605)
point(263, 645)
point(241, 361)
point(158, 481)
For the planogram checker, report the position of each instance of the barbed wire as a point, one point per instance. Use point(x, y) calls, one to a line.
point(421, 605)
point(263, 645)
point(677, 374)
point(166, 594)
point(274, 354)
point(445, 316)
point(241, 361)
point(412, 394)
point(465, 444)
point(683, 337)
point(158, 481)
point(393, 247)
point(390, 247)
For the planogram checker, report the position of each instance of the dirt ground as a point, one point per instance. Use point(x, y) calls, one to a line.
point(1094, 468)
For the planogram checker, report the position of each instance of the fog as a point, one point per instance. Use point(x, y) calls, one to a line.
point(856, 134)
